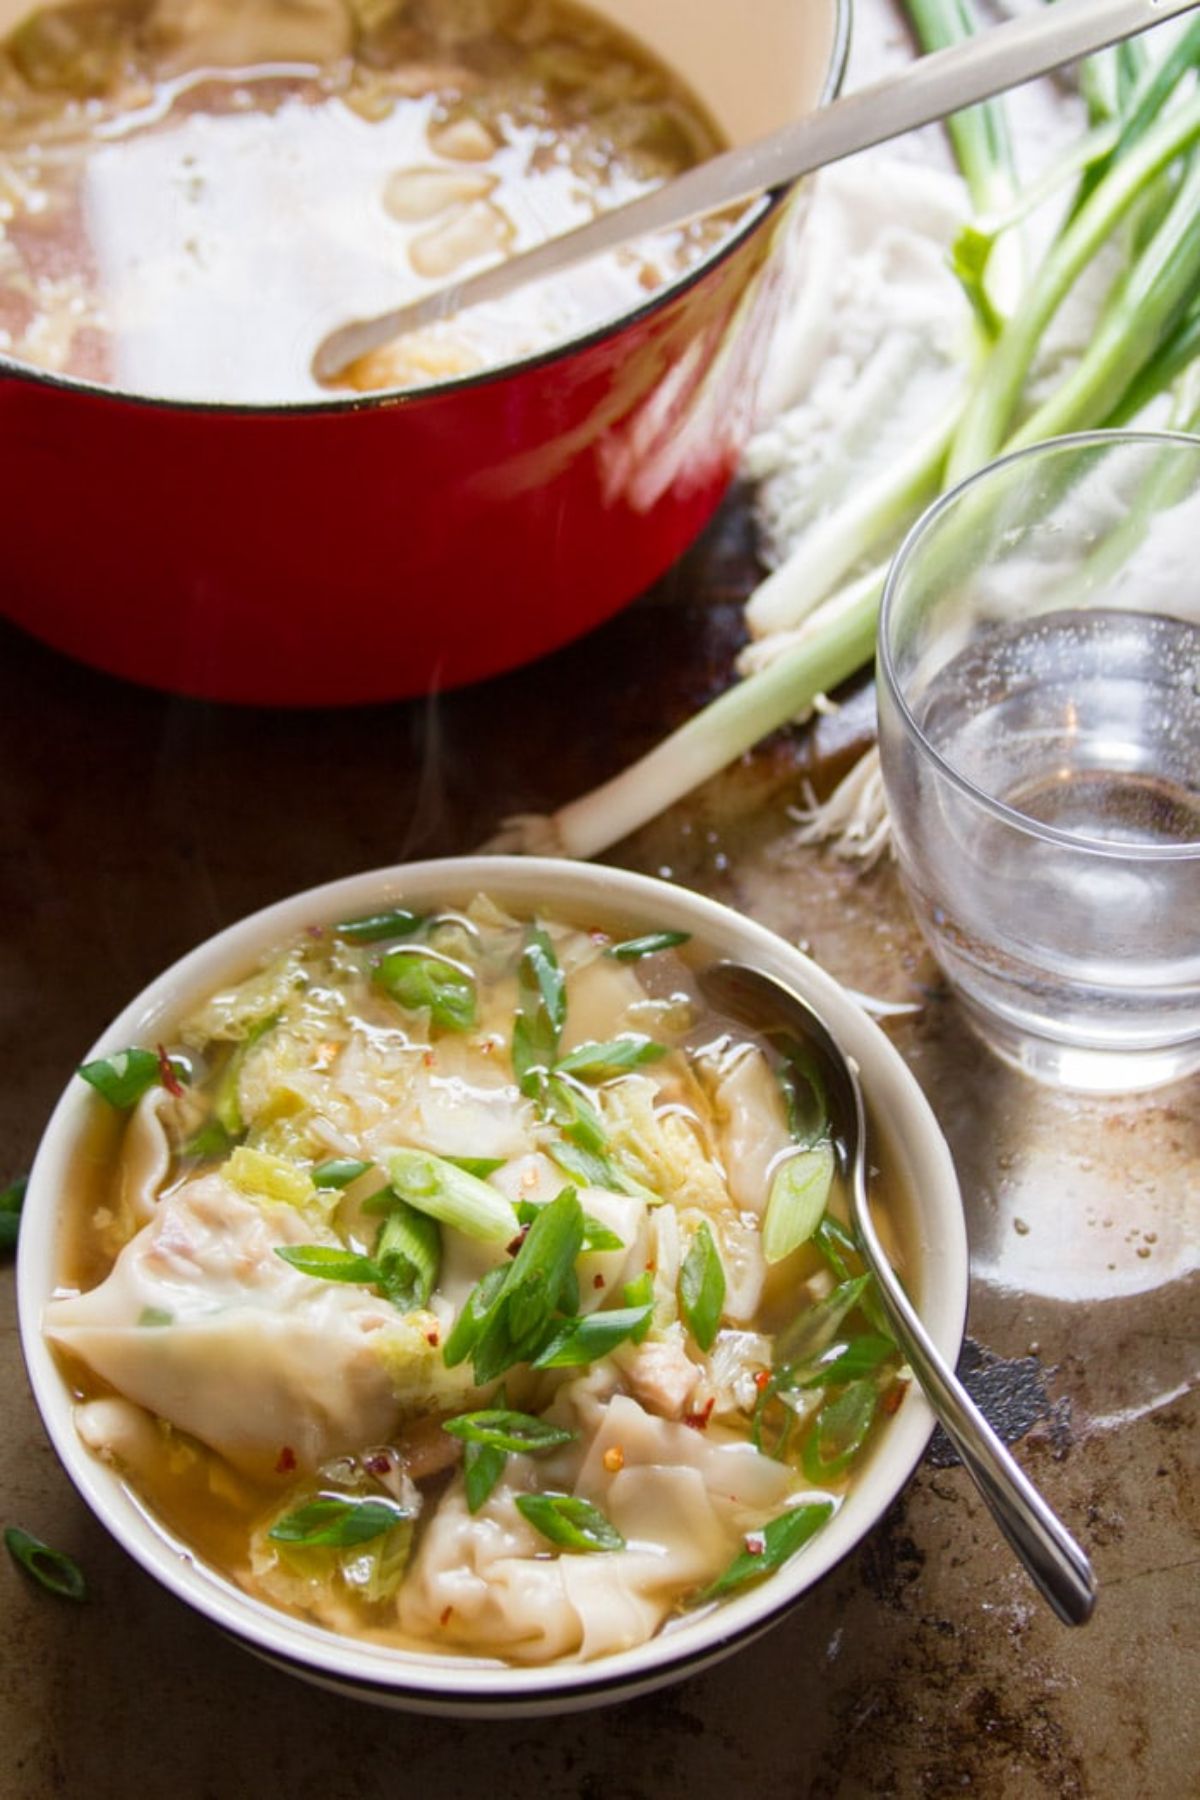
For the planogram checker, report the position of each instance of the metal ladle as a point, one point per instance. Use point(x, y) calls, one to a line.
point(928, 89)
point(1056, 1562)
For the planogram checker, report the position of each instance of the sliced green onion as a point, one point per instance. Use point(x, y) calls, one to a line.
point(839, 1364)
point(540, 1275)
point(816, 1326)
point(372, 928)
point(444, 1191)
point(840, 1431)
point(702, 1287)
point(541, 1011)
point(124, 1077)
point(479, 1166)
point(338, 1172)
point(424, 981)
point(633, 949)
point(586, 1340)
point(11, 1202)
point(640, 1293)
point(52, 1569)
point(781, 1538)
point(595, 1235)
point(408, 1254)
point(226, 1103)
point(155, 1316)
point(574, 1525)
point(835, 1244)
point(470, 1322)
point(518, 1432)
point(337, 1521)
point(574, 1114)
point(601, 1062)
point(209, 1141)
point(799, 1192)
point(328, 1264)
point(483, 1465)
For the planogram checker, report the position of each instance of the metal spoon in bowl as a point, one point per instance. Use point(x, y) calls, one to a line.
point(1056, 1562)
point(926, 90)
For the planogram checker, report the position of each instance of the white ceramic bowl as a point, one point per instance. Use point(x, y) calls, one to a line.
point(936, 1241)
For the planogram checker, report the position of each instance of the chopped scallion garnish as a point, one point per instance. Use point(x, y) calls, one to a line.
point(124, 1077)
point(426, 981)
point(52, 1569)
point(780, 1539)
point(702, 1287)
point(373, 928)
point(574, 1525)
point(633, 949)
point(336, 1521)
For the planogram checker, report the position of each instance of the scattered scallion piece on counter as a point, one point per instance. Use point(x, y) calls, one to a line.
point(11, 1201)
point(779, 1540)
point(51, 1569)
point(374, 928)
point(573, 1524)
point(633, 949)
point(702, 1287)
point(337, 1521)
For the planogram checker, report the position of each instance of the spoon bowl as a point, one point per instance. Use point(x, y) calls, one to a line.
point(1058, 1565)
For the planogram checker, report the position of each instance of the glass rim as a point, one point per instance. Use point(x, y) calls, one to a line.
point(911, 543)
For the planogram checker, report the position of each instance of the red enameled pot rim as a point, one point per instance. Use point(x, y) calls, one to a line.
point(10, 369)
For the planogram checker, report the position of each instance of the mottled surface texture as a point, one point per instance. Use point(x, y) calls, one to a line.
point(133, 826)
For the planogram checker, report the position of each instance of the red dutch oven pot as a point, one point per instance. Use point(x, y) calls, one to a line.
point(362, 550)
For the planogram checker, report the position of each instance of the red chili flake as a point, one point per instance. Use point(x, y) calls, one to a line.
point(651, 1266)
point(518, 1241)
point(893, 1397)
point(614, 1459)
point(762, 1380)
point(755, 1543)
point(166, 1073)
point(432, 1338)
point(429, 1059)
point(379, 1464)
point(287, 1461)
point(446, 1615)
point(699, 1420)
point(597, 1281)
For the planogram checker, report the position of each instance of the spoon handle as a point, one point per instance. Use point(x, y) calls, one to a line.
point(929, 89)
point(1057, 1564)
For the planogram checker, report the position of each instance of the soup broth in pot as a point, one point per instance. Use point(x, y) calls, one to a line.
point(192, 192)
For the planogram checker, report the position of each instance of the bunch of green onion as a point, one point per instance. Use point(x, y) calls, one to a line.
point(1133, 178)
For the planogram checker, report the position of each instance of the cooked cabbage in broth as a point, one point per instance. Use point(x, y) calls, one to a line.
point(458, 1282)
point(193, 192)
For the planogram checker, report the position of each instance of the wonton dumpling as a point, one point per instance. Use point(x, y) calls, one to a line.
point(201, 1322)
point(753, 1125)
point(680, 1498)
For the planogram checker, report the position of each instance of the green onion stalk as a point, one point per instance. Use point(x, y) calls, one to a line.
point(1137, 173)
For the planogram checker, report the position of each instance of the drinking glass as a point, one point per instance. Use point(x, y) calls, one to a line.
point(1039, 725)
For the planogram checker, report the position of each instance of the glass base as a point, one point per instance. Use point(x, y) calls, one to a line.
point(1086, 1069)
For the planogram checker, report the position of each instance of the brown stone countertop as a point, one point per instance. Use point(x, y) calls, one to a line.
point(133, 826)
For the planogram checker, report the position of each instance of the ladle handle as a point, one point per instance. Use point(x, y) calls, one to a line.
point(930, 88)
point(1058, 1565)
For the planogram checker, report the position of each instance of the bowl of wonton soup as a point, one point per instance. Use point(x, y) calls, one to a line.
point(214, 186)
point(167, 1267)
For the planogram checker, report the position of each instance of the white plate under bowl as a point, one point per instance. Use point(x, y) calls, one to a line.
point(590, 894)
